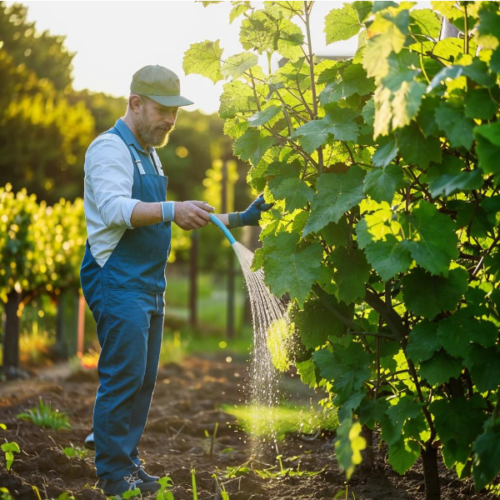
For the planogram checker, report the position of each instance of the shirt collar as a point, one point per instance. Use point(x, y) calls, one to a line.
point(129, 136)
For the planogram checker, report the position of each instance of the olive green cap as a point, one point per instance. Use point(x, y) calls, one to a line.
point(160, 84)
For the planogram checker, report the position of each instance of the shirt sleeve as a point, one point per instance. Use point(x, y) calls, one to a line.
point(111, 173)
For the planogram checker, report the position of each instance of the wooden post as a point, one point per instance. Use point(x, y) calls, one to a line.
point(193, 279)
point(67, 322)
point(11, 331)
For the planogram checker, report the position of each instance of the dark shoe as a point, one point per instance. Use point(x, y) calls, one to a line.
point(89, 442)
point(125, 484)
point(144, 476)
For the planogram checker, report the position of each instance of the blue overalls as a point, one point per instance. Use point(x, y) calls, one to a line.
point(126, 297)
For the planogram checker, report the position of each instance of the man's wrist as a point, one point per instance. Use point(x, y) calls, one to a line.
point(167, 210)
point(234, 219)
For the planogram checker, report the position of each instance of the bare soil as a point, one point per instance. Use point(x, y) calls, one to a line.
point(186, 404)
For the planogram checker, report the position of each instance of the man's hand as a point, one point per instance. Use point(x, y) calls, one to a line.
point(251, 216)
point(192, 214)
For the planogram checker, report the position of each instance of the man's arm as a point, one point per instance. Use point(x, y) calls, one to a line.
point(187, 214)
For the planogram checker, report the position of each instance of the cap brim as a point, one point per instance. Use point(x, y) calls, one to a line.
point(170, 100)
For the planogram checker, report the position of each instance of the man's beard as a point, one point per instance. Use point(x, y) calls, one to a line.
point(152, 136)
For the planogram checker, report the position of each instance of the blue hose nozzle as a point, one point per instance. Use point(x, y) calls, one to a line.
point(223, 228)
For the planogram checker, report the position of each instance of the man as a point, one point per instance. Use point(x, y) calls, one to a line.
point(123, 269)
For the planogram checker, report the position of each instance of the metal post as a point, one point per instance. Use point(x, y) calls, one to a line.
point(193, 279)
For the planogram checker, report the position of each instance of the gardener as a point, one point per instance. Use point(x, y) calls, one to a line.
point(123, 270)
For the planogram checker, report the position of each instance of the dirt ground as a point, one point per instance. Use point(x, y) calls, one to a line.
point(186, 404)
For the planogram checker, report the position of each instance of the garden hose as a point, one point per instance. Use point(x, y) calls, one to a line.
point(223, 228)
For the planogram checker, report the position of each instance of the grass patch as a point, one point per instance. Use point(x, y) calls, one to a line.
point(279, 421)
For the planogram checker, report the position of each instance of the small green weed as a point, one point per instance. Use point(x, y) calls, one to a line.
point(164, 493)
point(131, 493)
point(75, 451)
point(193, 482)
point(5, 495)
point(9, 449)
point(45, 416)
point(344, 494)
point(220, 489)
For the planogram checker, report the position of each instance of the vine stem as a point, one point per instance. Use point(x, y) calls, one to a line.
point(307, 9)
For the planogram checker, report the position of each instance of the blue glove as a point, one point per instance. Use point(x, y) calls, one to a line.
point(251, 216)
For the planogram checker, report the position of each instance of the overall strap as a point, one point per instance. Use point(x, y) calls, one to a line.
point(133, 153)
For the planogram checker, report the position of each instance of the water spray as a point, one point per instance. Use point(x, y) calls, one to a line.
point(268, 316)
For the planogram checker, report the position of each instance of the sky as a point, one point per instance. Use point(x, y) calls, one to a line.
point(113, 39)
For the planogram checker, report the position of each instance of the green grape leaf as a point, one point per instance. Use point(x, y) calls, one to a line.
point(336, 234)
point(336, 193)
point(349, 445)
point(426, 295)
point(237, 10)
point(237, 97)
point(236, 65)
point(286, 9)
point(449, 10)
point(440, 368)
point(381, 183)
point(425, 22)
point(398, 414)
point(353, 81)
point(204, 59)
point(403, 454)
point(424, 342)
point(363, 8)
point(386, 152)
point(341, 24)
point(391, 36)
point(351, 275)
point(458, 331)
point(372, 411)
point(487, 460)
point(262, 117)
point(252, 145)
point(315, 323)
point(447, 184)
point(307, 372)
point(457, 127)
point(479, 104)
point(388, 257)
point(488, 147)
point(289, 270)
point(416, 149)
point(258, 32)
point(398, 98)
point(437, 241)
point(484, 367)
point(352, 403)
point(382, 5)
point(295, 192)
point(337, 122)
point(347, 368)
point(458, 422)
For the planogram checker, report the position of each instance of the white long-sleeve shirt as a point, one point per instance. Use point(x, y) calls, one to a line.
point(108, 202)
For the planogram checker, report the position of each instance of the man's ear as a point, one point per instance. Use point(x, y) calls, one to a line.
point(134, 102)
